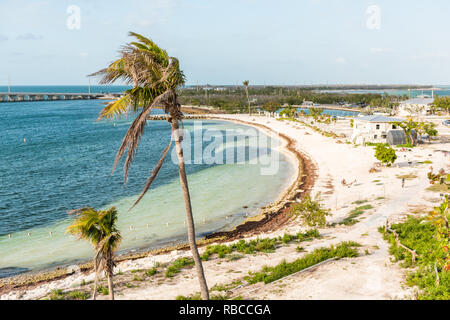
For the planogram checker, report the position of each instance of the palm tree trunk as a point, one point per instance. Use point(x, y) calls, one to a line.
point(110, 286)
point(248, 100)
point(94, 294)
point(189, 216)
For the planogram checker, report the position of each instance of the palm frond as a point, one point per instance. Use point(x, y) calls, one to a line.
point(134, 134)
point(118, 107)
point(154, 174)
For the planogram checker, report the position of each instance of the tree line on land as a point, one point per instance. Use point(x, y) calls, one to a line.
point(238, 99)
point(441, 103)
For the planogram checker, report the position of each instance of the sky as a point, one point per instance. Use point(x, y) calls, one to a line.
point(284, 42)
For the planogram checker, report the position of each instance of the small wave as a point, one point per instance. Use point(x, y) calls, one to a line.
point(11, 271)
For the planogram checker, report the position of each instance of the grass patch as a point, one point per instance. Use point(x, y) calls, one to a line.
point(270, 274)
point(57, 294)
point(409, 176)
point(137, 278)
point(136, 270)
point(177, 265)
point(360, 201)
point(197, 296)
point(84, 282)
point(151, 272)
point(103, 290)
point(227, 287)
point(234, 257)
point(78, 295)
point(426, 162)
point(439, 188)
point(351, 218)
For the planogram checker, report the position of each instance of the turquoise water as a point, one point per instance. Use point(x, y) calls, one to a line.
point(330, 112)
point(55, 157)
point(333, 112)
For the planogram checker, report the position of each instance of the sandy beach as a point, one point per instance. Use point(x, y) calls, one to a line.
point(372, 275)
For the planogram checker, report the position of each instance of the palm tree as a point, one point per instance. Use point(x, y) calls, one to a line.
point(155, 77)
point(99, 228)
point(245, 83)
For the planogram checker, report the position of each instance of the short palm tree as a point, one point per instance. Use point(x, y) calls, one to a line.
point(155, 77)
point(99, 228)
point(245, 83)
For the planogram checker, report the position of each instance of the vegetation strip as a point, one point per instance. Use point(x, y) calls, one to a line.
point(266, 245)
point(296, 273)
point(270, 274)
point(428, 237)
point(351, 218)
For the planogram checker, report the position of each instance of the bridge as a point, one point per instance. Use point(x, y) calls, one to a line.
point(51, 96)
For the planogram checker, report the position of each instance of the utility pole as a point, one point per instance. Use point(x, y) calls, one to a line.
point(9, 84)
point(89, 87)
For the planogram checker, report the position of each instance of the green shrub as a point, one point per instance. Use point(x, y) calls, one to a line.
point(78, 295)
point(308, 235)
point(151, 272)
point(385, 154)
point(102, 290)
point(177, 265)
point(311, 212)
point(57, 294)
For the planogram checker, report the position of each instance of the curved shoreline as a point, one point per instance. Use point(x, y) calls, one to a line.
point(272, 217)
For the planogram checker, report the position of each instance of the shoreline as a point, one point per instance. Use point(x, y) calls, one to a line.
point(272, 217)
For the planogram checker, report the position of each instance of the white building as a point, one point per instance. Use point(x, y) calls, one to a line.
point(373, 128)
point(415, 107)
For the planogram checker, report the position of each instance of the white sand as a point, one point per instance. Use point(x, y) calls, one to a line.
point(370, 276)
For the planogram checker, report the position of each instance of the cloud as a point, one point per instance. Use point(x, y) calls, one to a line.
point(380, 50)
point(150, 13)
point(3, 38)
point(341, 60)
point(29, 36)
point(438, 55)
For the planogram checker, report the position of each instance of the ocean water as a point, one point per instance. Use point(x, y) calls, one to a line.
point(441, 91)
point(65, 89)
point(55, 157)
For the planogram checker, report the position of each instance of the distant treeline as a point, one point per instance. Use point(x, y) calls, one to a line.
point(234, 99)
